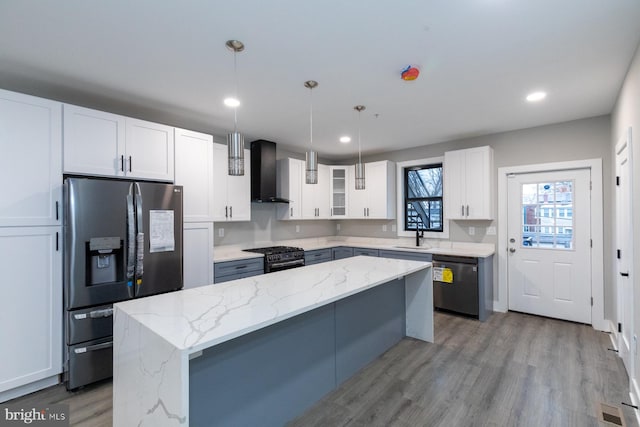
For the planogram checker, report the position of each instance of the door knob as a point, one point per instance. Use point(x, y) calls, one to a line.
point(512, 250)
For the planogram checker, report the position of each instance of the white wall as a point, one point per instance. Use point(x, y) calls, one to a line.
point(627, 113)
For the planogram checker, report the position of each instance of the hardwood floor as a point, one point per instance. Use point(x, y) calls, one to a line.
point(514, 370)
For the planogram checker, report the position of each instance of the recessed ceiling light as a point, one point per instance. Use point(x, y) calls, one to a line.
point(536, 96)
point(231, 102)
point(345, 139)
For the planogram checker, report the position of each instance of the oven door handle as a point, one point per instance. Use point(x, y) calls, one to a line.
point(287, 263)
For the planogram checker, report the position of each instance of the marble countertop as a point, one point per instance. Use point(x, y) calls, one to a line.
point(194, 319)
point(478, 250)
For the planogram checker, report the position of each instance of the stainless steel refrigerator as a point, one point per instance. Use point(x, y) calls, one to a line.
point(122, 240)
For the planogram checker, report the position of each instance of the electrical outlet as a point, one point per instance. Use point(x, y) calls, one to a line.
point(220, 232)
point(338, 227)
point(297, 228)
point(491, 231)
point(384, 227)
point(472, 231)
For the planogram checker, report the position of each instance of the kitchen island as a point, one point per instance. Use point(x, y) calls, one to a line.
point(261, 350)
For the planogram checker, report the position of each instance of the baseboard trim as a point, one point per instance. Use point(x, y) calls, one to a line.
point(29, 388)
point(613, 336)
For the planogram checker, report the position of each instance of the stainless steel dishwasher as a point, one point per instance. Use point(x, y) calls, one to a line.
point(455, 284)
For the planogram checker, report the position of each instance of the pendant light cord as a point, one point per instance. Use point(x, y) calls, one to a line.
point(235, 73)
point(311, 119)
point(359, 145)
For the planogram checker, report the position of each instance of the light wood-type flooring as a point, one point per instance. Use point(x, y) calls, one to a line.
point(513, 370)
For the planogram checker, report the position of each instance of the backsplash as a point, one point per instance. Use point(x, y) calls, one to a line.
point(265, 227)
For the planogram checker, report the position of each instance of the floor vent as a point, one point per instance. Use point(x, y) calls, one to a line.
point(611, 415)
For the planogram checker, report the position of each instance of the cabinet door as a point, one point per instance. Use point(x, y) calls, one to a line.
point(93, 142)
point(478, 183)
point(357, 198)
point(31, 160)
point(322, 192)
point(310, 194)
point(239, 192)
point(338, 183)
point(376, 188)
point(296, 173)
point(31, 305)
point(220, 175)
point(194, 171)
point(454, 184)
point(149, 150)
point(198, 254)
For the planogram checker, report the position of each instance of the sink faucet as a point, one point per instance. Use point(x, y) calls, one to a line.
point(419, 235)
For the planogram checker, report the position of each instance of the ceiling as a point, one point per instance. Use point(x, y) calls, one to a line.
point(166, 61)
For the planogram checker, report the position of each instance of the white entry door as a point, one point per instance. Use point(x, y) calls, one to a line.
point(549, 259)
point(624, 289)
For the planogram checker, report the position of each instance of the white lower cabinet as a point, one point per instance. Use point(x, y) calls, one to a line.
point(31, 309)
point(231, 194)
point(198, 254)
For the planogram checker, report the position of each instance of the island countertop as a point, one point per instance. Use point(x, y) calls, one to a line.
point(194, 319)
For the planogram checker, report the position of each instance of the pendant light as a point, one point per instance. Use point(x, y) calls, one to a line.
point(311, 165)
point(359, 165)
point(235, 140)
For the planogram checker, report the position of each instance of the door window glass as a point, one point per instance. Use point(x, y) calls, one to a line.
point(547, 215)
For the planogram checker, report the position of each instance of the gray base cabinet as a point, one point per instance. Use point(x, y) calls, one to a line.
point(411, 256)
point(342, 252)
point(232, 270)
point(365, 251)
point(317, 256)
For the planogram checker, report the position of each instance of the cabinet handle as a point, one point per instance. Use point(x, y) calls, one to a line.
point(467, 210)
point(130, 164)
point(365, 211)
point(624, 274)
point(462, 211)
point(57, 241)
point(57, 210)
point(122, 163)
point(291, 214)
point(226, 211)
point(331, 211)
point(230, 211)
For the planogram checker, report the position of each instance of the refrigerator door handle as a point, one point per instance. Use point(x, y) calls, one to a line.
point(139, 240)
point(131, 242)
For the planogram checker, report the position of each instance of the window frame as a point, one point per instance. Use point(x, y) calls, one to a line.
point(407, 199)
point(400, 200)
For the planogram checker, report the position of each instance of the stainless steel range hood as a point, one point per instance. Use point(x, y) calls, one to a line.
point(263, 172)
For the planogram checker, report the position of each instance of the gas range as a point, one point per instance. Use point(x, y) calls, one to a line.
point(278, 258)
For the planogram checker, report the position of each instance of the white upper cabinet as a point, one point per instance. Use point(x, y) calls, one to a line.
point(289, 186)
point(231, 194)
point(31, 160)
point(315, 197)
point(377, 200)
point(338, 184)
point(105, 144)
point(150, 150)
point(468, 183)
point(194, 171)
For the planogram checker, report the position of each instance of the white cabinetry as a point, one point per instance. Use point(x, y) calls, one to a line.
point(194, 171)
point(315, 197)
point(198, 254)
point(377, 200)
point(105, 144)
point(289, 186)
point(231, 194)
point(468, 183)
point(338, 185)
point(31, 160)
point(31, 307)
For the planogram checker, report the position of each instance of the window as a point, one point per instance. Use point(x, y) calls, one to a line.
point(553, 227)
point(423, 207)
